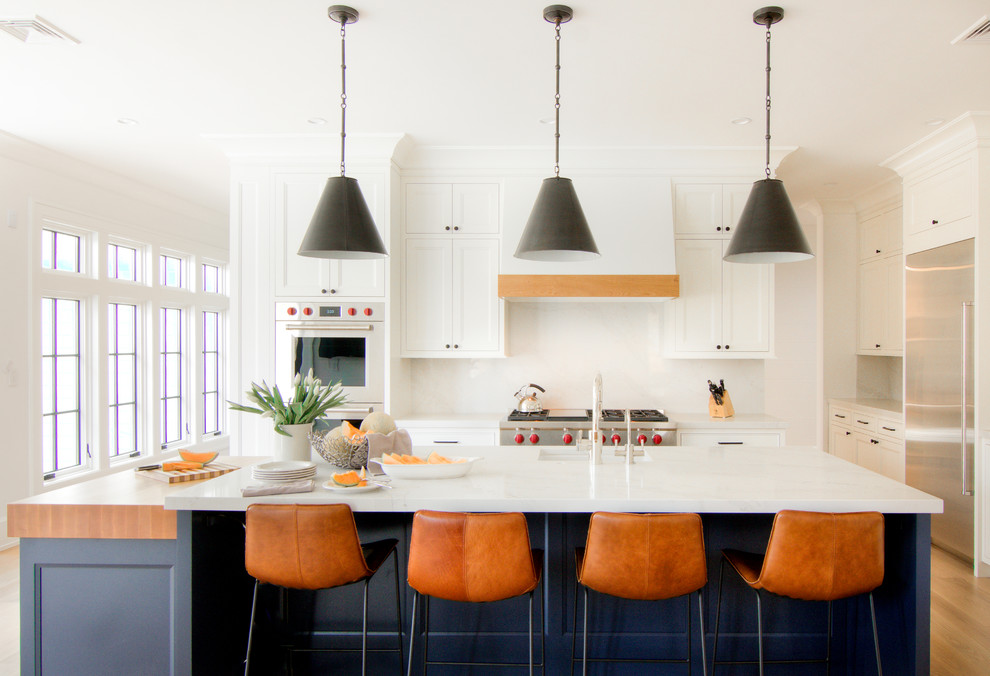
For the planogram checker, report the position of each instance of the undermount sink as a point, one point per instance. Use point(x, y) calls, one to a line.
point(571, 453)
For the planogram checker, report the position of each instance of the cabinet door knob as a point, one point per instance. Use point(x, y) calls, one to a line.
point(456, 346)
point(447, 227)
point(718, 347)
point(848, 433)
point(456, 228)
point(727, 228)
point(726, 346)
point(719, 228)
point(934, 222)
point(323, 290)
point(333, 290)
point(878, 250)
point(878, 344)
point(447, 347)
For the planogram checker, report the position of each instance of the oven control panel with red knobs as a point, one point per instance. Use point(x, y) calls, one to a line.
point(316, 310)
point(566, 427)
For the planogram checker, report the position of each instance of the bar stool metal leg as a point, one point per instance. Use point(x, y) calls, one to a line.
point(254, 605)
point(584, 641)
point(718, 614)
point(828, 646)
point(364, 630)
point(876, 638)
point(426, 632)
point(701, 629)
point(759, 625)
point(412, 632)
point(398, 609)
point(531, 634)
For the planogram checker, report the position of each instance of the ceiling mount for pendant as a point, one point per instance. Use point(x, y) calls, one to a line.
point(773, 14)
point(342, 14)
point(555, 13)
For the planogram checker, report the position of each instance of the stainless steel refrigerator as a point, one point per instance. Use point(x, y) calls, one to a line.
point(938, 391)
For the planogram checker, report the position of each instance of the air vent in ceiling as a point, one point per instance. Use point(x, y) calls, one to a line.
point(977, 34)
point(35, 31)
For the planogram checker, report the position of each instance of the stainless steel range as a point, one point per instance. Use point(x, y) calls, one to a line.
point(563, 427)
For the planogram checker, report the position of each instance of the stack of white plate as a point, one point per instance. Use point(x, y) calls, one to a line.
point(284, 470)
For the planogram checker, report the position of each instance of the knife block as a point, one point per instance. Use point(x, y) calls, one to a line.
point(723, 411)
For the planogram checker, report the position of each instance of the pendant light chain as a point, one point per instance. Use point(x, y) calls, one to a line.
point(556, 104)
point(769, 22)
point(343, 94)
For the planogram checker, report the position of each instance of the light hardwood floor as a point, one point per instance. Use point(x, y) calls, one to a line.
point(960, 617)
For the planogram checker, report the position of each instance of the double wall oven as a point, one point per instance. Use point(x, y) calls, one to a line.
point(341, 342)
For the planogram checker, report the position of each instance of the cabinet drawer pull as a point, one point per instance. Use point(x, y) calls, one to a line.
point(730, 443)
point(446, 441)
point(837, 415)
point(889, 429)
point(863, 422)
point(874, 441)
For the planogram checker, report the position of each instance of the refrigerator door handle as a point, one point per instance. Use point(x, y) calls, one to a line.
point(967, 470)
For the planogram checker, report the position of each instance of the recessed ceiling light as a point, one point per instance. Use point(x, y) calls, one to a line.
point(742, 120)
point(935, 121)
point(127, 121)
point(317, 121)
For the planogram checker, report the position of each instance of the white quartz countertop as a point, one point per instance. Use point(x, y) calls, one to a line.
point(879, 406)
point(740, 421)
point(746, 479)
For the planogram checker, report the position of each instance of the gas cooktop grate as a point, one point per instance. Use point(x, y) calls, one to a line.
point(637, 415)
point(527, 415)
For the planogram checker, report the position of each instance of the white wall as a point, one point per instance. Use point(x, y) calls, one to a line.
point(30, 175)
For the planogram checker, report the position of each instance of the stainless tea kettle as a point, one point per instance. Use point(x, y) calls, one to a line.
point(528, 402)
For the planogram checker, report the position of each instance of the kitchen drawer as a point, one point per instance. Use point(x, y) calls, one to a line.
point(890, 428)
point(428, 436)
point(705, 438)
point(840, 416)
point(863, 422)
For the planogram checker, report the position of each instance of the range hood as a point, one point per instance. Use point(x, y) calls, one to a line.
point(588, 287)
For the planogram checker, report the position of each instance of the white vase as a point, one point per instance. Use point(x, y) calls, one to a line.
point(295, 446)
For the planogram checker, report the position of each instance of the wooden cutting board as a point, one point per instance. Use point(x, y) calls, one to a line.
point(214, 469)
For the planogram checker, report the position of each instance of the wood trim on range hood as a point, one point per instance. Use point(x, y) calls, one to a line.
point(589, 286)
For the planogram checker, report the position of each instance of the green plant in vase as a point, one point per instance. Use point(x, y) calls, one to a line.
point(310, 400)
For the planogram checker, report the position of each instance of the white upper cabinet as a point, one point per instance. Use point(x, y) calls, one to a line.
point(295, 199)
point(881, 285)
point(724, 309)
point(450, 305)
point(942, 200)
point(452, 208)
point(708, 209)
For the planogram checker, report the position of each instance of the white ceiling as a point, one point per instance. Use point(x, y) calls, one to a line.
point(853, 82)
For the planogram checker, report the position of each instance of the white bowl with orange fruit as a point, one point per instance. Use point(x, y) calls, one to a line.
point(433, 466)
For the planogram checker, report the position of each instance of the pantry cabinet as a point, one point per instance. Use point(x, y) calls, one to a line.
point(881, 286)
point(296, 195)
point(450, 265)
point(450, 304)
point(944, 199)
point(724, 309)
point(870, 437)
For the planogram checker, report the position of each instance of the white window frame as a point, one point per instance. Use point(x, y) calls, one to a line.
point(95, 290)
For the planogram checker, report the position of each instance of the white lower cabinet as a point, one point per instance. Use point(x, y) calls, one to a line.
point(752, 437)
point(724, 309)
point(450, 302)
point(861, 436)
point(454, 436)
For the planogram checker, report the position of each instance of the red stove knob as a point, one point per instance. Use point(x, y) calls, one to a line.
point(367, 312)
point(657, 439)
point(352, 311)
point(641, 440)
point(291, 312)
point(615, 439)
point(567, 438)
point(519, 438)
point(534, 438)
point(307, 311)
point(604, 439)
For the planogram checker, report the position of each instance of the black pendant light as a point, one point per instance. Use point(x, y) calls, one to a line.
point(557, 229)
point(768, 230)
point(342, 226)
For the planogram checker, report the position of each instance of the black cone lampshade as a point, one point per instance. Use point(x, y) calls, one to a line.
point(768, 230)
point(557, 229)
point(342, 226)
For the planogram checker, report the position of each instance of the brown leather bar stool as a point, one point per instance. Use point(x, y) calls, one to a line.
point(645, 557)
point(472, 558)
point(812, 556)
point(313, 547)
